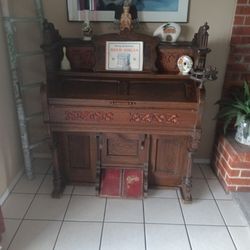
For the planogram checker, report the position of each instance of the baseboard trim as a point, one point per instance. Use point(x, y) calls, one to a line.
point(5, 195)
point(202, 161)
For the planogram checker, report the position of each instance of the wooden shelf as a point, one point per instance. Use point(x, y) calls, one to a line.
point(123, 75)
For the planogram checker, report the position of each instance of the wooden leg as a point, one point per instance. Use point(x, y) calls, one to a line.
point(99, 146)
point(186, 189)
point(58, 177)
point(187, 179)
point(145, 180)
point(58, 185)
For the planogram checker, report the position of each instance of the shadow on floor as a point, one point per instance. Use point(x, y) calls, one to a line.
point(243, 199)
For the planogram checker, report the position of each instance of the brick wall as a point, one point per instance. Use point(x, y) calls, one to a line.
point(232, 164)
point(231, 160)
point(238, 67)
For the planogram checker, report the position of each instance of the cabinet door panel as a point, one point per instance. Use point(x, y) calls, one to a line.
point(168, 160)
point(124, 149)
point(80, 157)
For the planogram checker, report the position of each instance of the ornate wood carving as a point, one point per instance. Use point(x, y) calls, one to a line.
point(186, 186)
point(88, 116)
point(154, 118)
point(194, 141)
point(169, 55)
point(200, 41)
point(81, 57)
point(52, 46)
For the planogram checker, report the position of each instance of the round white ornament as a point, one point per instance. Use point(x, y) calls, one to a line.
point(185, 64)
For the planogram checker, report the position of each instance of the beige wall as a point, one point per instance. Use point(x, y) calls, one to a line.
point(219, 15)
point(10, 156)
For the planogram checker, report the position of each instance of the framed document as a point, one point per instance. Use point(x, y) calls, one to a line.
point(124, 56)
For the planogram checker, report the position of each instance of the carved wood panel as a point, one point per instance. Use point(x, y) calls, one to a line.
point(168, 160)
point(81, 58)
point(124, 149)
point(132, 117)
point(120, 146)
point(79, 153)
point(168, 58)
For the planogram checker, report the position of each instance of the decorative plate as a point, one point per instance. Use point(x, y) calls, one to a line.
point(168, 32)
point(185, 64)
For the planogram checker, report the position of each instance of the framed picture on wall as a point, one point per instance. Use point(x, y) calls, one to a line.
point(148, 10)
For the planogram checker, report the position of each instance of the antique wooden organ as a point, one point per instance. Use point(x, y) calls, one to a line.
point(123, 130)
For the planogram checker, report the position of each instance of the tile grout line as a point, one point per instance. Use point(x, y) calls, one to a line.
point(221, 215)
point(50, 167)
point(103, 221)
point(207, 177)
point(144, 224)
point(59, 231)
point(183, 217)
point(22, 219)
point(37, 192)
point(202, 172)
point(11, 191)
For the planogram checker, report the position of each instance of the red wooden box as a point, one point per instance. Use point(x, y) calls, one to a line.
point(111, 182)
point(126, 183)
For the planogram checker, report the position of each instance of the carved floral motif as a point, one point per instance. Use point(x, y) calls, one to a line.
point(168, 58)
point(88, 116)
point(154, 117)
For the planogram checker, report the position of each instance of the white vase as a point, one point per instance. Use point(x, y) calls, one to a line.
point(65, 64)
point(242, 136)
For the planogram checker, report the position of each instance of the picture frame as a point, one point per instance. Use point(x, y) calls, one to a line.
point(124, 55)
point(103, 10)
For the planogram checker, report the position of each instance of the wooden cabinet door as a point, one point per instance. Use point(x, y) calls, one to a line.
point(79, 157)
point(121, 150)
point(168, 160)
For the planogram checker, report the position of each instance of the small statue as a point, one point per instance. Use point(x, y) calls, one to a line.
point(86, 27)
point(87, 30)
point(126, 19)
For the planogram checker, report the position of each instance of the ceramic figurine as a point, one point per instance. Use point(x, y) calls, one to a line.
point(86, 30)
point(168, 32)
point(65, 64)
point(126, 19)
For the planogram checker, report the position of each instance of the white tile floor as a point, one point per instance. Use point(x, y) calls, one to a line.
point(80, 220)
